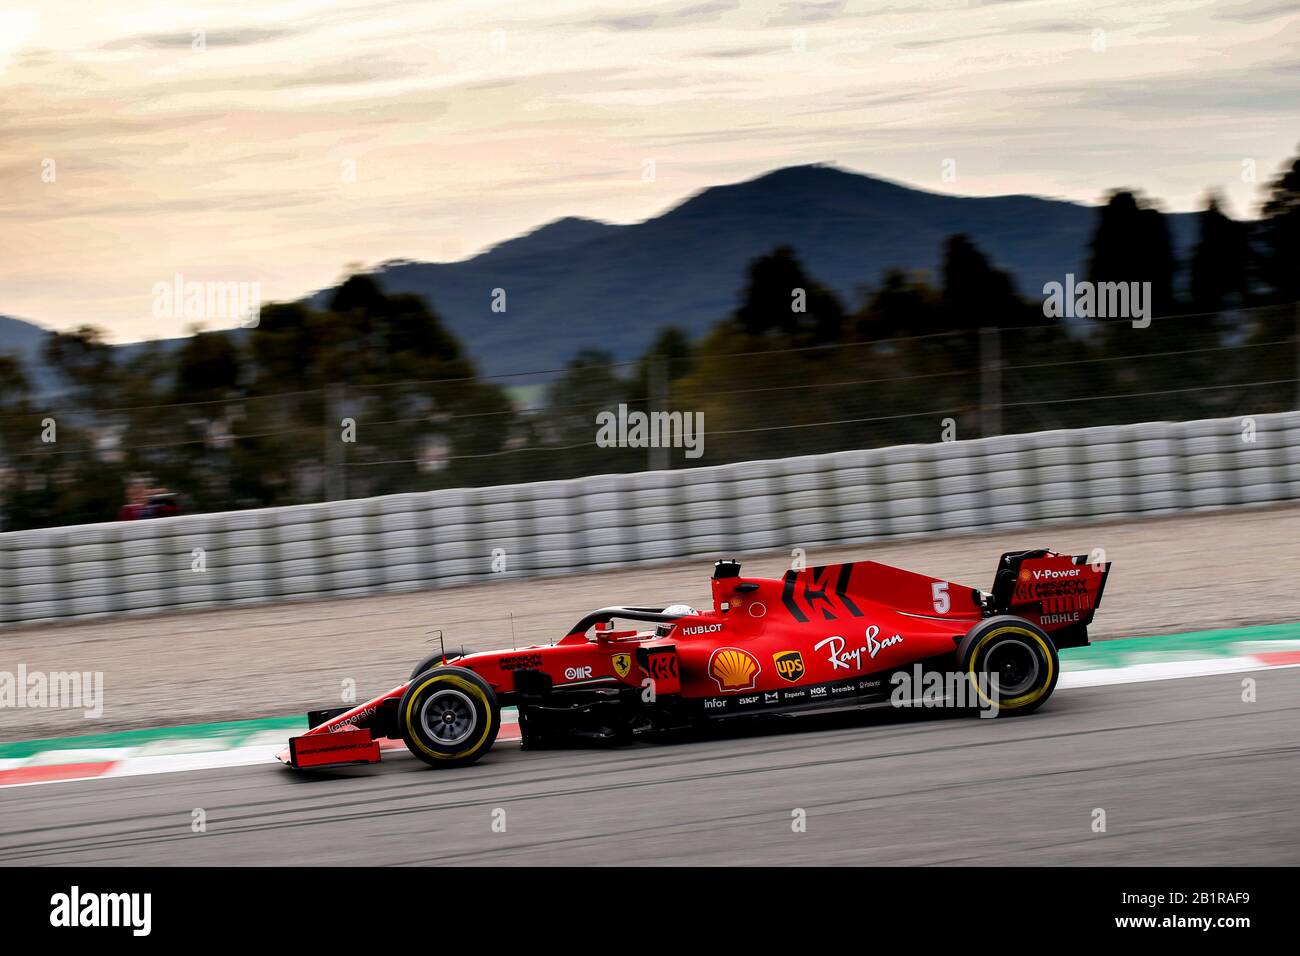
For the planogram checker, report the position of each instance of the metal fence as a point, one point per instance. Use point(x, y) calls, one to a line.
point(381, 433)
point(408, 542)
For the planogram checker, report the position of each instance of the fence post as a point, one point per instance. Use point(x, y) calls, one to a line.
point(333, 477)
point(659, 457)
point(990, 382)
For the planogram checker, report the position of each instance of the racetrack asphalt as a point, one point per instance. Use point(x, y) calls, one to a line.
point(1186, 771)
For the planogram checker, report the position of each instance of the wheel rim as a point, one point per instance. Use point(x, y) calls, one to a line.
point(448, 717)
point(1016, 666)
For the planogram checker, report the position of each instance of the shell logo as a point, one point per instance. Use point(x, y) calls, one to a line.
point(733, 669)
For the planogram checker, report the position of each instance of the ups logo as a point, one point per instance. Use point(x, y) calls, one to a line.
point(789, 665)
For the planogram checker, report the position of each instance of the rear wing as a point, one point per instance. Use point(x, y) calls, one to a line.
point(1058, 592)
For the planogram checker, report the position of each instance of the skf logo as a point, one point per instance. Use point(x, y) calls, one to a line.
point(622, 664)
point(733, 669)
point(789, 665)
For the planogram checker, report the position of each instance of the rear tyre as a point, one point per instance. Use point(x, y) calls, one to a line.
point(1019, 655)
point(449, 717)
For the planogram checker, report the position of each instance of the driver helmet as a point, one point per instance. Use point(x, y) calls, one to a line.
point(681, 610)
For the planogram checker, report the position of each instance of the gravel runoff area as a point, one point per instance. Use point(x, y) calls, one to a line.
point(1184, 573)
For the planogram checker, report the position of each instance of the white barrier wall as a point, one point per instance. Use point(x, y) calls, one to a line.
point(408, 542)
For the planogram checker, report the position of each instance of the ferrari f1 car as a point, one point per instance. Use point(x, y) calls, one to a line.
point(823, 638)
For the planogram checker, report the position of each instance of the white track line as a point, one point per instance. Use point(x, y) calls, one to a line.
point(1165, 670)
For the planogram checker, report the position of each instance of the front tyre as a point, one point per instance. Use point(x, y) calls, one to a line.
point(433, 660)
point(449, 717)
point(1011, 664)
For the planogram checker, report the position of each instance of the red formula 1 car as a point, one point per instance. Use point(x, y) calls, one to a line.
point(833, 637)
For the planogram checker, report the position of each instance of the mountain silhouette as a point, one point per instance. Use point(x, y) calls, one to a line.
point(24, 340)
point(577, 283)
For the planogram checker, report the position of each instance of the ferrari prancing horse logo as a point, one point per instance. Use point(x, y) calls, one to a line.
point(622, 664)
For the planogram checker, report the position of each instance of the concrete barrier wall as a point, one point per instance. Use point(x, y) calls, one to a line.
point(409, 542)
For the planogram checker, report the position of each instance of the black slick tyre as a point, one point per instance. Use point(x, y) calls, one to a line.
point(1019, 654)
point(449, 717)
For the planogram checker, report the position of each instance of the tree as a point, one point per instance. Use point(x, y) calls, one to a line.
point(781, 299)
point(903, 304)
point(1279, 234)
point(975, 294)
point(19, 427)
point(587, 387)
point(286, 348)
point(85, 361)
point(207, 367)
point(1131, 244)
point(668, 359)
point(14, 385)
point(1219, 262)
point(386, 362)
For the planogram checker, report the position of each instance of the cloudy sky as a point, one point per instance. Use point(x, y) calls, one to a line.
point(279, 141)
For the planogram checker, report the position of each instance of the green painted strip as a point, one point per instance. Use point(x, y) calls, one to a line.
point(229, 734)
point(1193, 645)
point(1121, 652)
